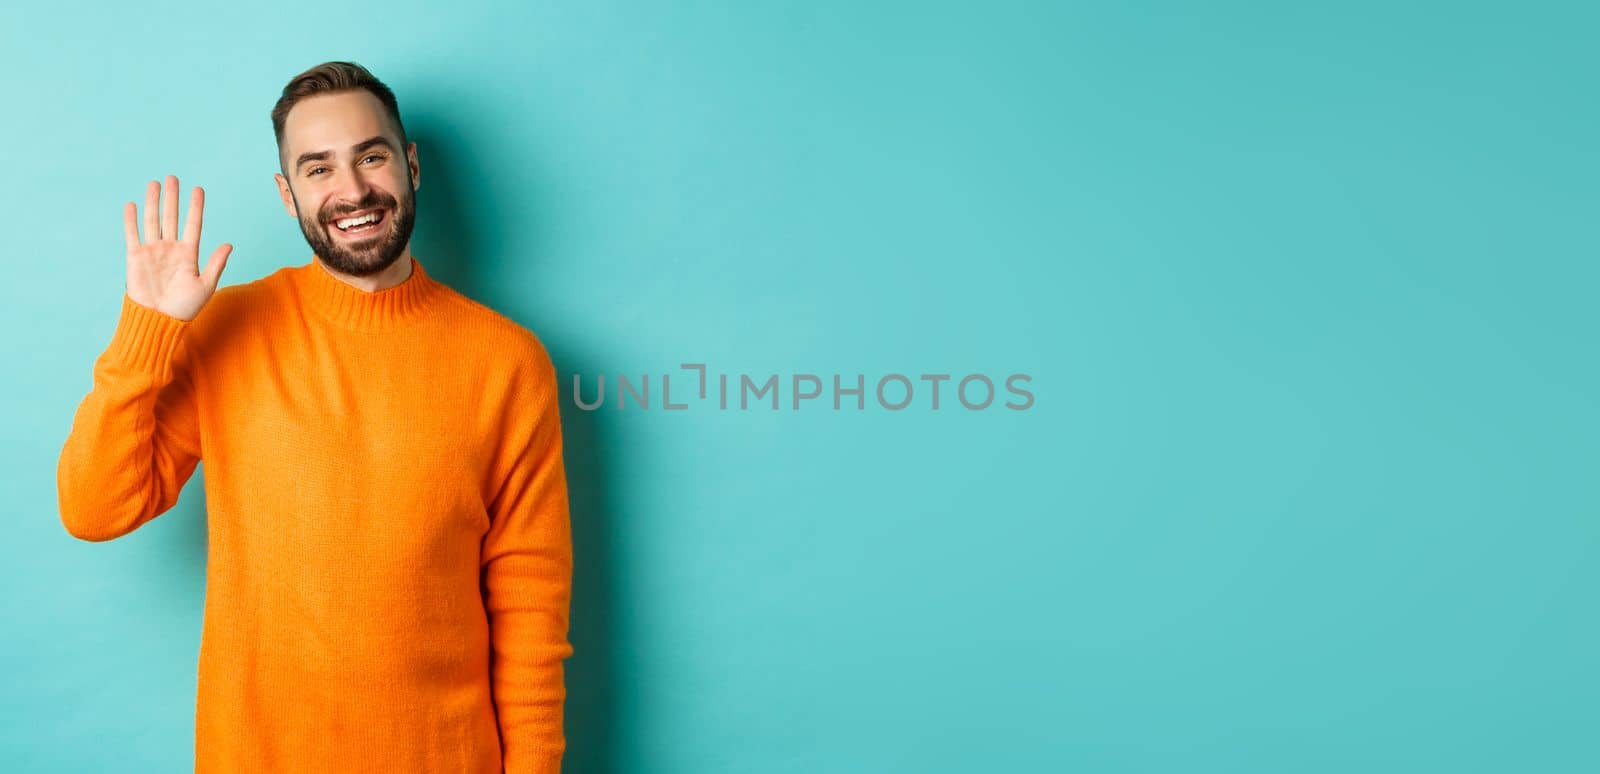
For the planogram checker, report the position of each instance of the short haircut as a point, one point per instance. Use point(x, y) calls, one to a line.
point(333, 78)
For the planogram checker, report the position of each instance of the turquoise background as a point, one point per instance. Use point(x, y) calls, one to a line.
point(1307, 295)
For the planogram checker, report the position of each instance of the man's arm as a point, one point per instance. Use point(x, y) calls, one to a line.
point(135, 438)
point(527, 577)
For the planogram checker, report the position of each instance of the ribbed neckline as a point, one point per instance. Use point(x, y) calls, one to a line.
point(358, 309)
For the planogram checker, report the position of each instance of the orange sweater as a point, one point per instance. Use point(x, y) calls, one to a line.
point(390, 554)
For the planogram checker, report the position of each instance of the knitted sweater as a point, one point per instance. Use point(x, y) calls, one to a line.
point(390, 559)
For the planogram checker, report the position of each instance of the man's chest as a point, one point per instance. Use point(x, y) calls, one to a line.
point(378, 454)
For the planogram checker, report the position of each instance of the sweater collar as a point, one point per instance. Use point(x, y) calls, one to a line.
point(361, 310)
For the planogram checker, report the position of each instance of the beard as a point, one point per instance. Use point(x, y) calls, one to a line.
point(371, 254)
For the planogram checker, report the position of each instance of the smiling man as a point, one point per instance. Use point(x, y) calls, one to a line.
point(389, 546)
point(358, 223)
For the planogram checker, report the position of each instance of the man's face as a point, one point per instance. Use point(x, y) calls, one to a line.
point(343, 160)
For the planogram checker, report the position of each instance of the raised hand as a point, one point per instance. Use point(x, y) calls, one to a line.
point(164, 269)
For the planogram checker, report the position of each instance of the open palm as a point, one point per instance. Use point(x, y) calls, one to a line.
point(164, 268)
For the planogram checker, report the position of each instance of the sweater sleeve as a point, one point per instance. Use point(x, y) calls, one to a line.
point(135, 437)
point(527, 579)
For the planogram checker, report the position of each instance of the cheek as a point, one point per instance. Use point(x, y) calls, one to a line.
point(397, 186)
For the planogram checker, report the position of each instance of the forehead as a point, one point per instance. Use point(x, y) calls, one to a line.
point(334, 122)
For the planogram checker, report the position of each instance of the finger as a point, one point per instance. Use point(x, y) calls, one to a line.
point(191, 222)
point(151, 231)
point(169, 208)
point(130, 225)
point(215, 265)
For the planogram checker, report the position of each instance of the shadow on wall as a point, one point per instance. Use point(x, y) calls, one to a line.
point(455, 222)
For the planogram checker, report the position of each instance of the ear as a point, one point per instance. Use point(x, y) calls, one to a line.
point(416, 170)
point(287, 196)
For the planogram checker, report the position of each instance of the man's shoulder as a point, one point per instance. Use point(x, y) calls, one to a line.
point(251, 292)
point(237, 307)
point(516, 363)
point(504, 340)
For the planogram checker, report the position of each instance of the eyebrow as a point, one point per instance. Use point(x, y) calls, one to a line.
point(324, 155)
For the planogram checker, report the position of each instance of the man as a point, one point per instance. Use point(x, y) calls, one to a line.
point(390, 557)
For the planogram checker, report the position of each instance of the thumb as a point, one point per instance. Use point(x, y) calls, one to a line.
point(217, 262)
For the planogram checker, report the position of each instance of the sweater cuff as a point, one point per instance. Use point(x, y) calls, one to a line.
point(145, 339)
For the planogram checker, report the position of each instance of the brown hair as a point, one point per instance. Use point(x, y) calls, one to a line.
point(332, 78)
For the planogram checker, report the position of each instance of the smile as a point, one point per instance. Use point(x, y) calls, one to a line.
point(361, 223)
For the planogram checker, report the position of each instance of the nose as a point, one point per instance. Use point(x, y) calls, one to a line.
point(352, 190)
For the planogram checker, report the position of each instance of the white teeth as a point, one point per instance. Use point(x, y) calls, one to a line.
point(348, 222)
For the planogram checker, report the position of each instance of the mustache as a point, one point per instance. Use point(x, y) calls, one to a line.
point(371, 200)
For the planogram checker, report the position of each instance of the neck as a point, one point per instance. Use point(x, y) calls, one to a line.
point(395, 274)
point(346, 301)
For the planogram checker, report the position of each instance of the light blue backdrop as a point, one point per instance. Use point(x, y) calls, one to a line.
point(1307, 295)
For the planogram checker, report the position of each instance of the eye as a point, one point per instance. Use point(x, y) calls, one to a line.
point(378, 156)
point(314, 170)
